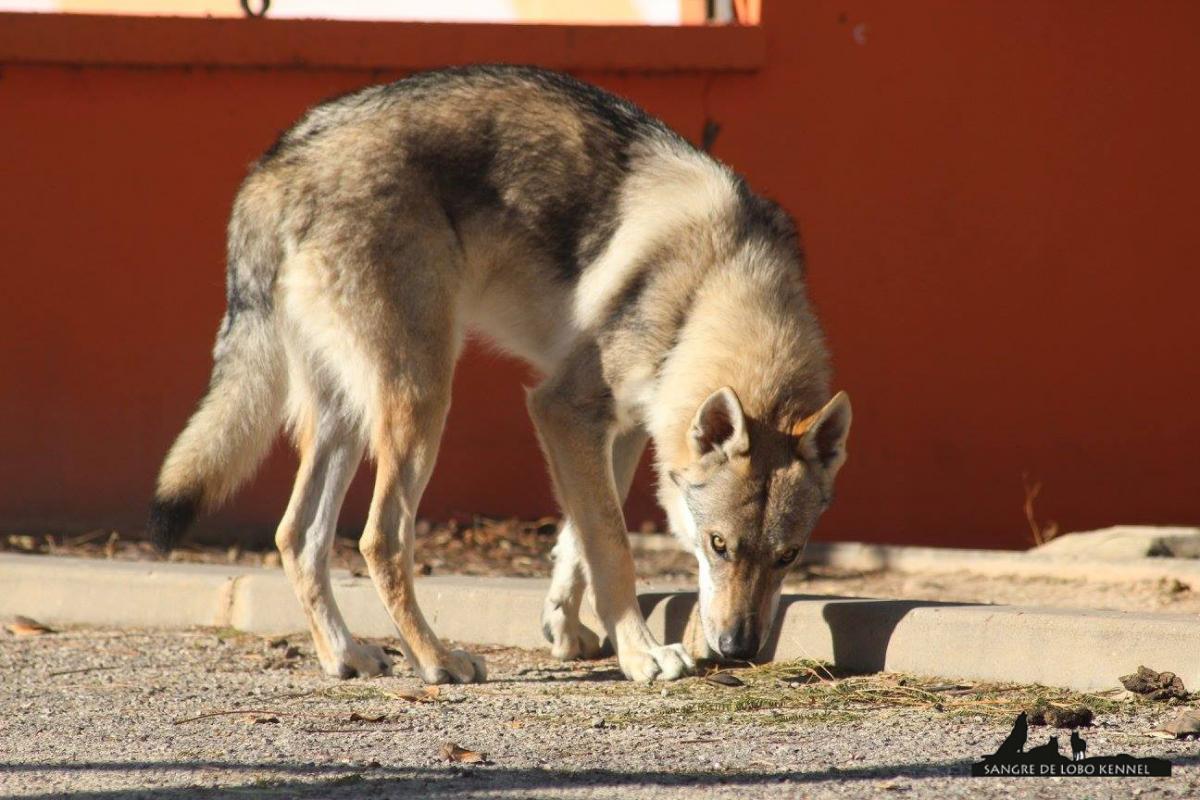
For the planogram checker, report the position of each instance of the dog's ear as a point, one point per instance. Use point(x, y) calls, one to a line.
point(822, 436)
point(719, 426)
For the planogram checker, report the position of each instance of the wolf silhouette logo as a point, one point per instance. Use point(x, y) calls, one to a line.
point(1011, 759)
point(1078, 746)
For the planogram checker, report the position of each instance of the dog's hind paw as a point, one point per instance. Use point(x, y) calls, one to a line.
point(359, 661)
point(455, 666)
point(664, 663)
point(582, 644)
point(569, 640)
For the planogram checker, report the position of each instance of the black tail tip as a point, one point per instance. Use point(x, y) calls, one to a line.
point(169, 520)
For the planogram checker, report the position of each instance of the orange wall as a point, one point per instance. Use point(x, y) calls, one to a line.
point(999, 209)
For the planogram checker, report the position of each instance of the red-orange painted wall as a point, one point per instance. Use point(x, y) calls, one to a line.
point(999, 206)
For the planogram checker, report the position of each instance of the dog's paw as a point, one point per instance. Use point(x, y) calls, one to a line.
point(454, 666)
point(358, 661)
point(569, 639)
point(664, 663)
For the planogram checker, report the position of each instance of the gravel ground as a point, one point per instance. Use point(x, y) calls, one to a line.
point(121, 714)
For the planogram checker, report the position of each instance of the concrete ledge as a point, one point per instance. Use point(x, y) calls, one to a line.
point(924, 560)
point(870, 557)
point(1057, 647)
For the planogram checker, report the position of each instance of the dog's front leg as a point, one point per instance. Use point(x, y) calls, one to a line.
point(576, 428)
point(568, 637)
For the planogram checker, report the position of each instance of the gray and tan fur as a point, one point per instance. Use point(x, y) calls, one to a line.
point(659, 296)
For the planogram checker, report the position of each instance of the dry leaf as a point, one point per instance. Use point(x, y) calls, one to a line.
point(725, 679)
point(452, 752)
point(426, 695)
point(1184, 726)
point(24, 626)
point(356, 717)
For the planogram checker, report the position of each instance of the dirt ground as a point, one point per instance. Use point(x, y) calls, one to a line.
point(510, 547)
point(204, 713)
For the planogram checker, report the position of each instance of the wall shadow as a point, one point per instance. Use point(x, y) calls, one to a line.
point(345, 781)
point(860, 628)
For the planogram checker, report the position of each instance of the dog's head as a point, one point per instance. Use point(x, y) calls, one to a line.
point(747, 500)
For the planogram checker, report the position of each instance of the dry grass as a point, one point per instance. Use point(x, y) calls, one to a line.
point(811, 690)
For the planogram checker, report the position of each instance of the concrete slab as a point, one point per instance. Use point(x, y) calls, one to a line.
point(81, 591)
point(1125, 541)
point(1083, 650)
point(1076, 564)
point(926, 560)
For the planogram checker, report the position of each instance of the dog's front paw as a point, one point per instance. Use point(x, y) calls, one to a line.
point(454, 666)
point(358, 660)
point(664, 663)
point(569, 639)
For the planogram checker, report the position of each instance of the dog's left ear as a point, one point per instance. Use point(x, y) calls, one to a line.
point(823, 435)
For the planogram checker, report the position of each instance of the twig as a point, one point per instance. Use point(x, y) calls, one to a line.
point(355, 730)
point(78, 671)
point(236, 711)
point(84, 538)
point(1041, 534)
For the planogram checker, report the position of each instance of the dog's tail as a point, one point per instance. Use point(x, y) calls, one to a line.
point(237, 419)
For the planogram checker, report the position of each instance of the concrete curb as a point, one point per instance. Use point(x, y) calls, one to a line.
point(928, 560)
point(1083, 650)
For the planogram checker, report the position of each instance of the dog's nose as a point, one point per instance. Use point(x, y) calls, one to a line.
point(741, 642)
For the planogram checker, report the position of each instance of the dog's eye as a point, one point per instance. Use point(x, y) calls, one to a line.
point(789, 556)
point(718, 544)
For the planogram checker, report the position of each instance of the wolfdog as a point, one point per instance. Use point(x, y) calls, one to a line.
point(659, 297)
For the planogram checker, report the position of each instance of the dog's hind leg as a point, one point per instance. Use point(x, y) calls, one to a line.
point(409, 427)
point(568, 637)
point(330, 451)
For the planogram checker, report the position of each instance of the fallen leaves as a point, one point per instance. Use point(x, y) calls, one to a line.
point(1151, 685)
point(24, 626)
point(426, 695)
point(1184, 726)
point(460, 755)
point(727, 679)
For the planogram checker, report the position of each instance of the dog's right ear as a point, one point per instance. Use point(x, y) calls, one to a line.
point(719, 427)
